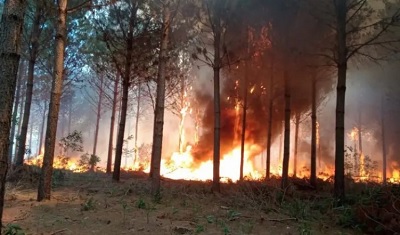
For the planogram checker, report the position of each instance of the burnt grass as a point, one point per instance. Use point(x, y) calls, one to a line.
point(370, 208)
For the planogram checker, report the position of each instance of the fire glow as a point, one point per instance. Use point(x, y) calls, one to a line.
point(183, 166)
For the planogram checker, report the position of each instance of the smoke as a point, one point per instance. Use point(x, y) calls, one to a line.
point(258, 107)
point(373, 98)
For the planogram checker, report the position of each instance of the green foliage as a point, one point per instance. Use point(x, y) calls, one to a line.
point(72, 141)
point(210, 219)
point(141, 204)
point(93, 160)
point(87, 161)
point(353, 166)
point(346, 217)
point(233, 215)
point(304, 229)
point(298, 208)
point(157, 197)
point(225, 229)
point(174, 210)
point(58, 177)
point(199, 229)
point(88, 205)
point(13, 229)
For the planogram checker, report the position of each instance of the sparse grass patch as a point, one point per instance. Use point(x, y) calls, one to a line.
point(297, 208)
point(141, 204)
point(13, 229)
point(247, 227)
point(305, 229)
point(199, 229)
point(89, 204)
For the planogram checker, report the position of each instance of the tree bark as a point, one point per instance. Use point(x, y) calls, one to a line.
point(313, 176)
point(98, 115)
point(182, 115)
point(44, 189)
point(281, 142)
point(360, 148)
point(11, 24)
point(70, 103)
point(137, 124)
point(384, 160)
point(245, 104)
point(42, 128)
point(19, 122)
point(15, 112)
point(160, 100)
point(217, 98)
point(244, 117)
point(34, 45)
point(125, 93)
point(296, 142)
point(286, 141)
point(113, 111)
point(270, 116)
point(341, 14)
point(30, 138)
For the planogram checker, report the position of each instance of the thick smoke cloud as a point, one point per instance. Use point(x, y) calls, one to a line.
point(258, 109)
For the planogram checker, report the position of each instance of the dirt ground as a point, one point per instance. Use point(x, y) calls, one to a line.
point(92, 204)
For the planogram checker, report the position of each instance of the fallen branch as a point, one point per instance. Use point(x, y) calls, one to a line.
point(281, 220)
point(23, 217)
point(59, 231)
point(381, 224)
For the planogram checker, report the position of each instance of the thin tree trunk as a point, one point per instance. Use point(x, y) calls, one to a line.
point(244, 117)
point(113, 111)
point(160, 100)
point(360, 133)
point(296, 142)
point(245, 104)
point(44, 189)
point(61, 131)
point(313, 176)
point(286, 144)
point(360, 148)
point(34, 45)
point(98, 116)
point(71, 101)
point(42, 128)
point(341, 12)
point(182, 114)
point(125, 93)
point(30, 139)
point(21, 114)
point(137, 125)
point(384, 160)
point(281, 142)
point(14, 124)
point(270, 116)
point(11, 23)
point(217, 98)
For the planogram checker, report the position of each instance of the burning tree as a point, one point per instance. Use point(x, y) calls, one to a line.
point(357, 26)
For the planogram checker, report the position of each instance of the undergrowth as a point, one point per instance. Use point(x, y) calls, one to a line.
point(369, 208)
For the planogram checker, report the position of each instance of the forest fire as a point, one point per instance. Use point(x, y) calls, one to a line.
point(183, 166)
point(65, 163)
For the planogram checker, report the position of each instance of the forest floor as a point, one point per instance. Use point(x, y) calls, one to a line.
point(91, 203)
